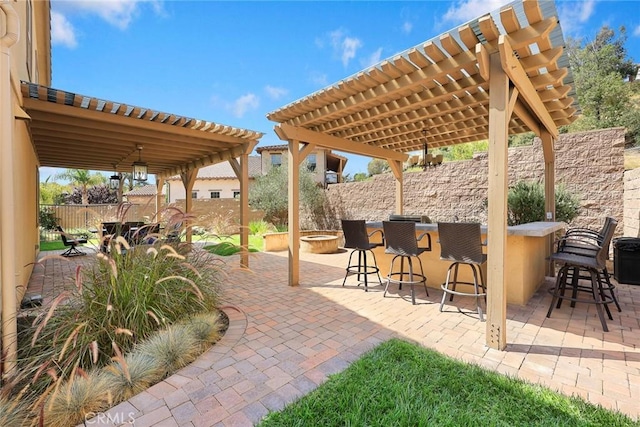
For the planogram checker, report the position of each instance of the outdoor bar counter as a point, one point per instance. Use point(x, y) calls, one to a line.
point(526, 257)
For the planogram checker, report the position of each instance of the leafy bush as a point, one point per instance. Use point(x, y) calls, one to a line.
point(526, 203)
point(47, 218)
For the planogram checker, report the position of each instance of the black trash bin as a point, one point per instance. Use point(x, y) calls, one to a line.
point(626, 260)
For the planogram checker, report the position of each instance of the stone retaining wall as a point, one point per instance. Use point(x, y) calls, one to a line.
point(589, 164)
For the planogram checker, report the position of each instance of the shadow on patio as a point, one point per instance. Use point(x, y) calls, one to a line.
point(284, 341)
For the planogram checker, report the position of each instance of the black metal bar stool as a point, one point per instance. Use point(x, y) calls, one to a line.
point(591, 259)
point(401, 241)
point(461, 243)
point(356, 238)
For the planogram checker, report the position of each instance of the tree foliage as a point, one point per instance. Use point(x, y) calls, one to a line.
point(96, 195)
point(270, 194)
point(600, 68)
point(377, 166)
point(52, 193)
point(82, 179)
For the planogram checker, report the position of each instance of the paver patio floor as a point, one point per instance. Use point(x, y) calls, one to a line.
point(283, 342)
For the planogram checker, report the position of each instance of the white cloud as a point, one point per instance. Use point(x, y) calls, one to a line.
point(275, 92)
point(636, 31)
point(243, 104)
point(466, 10)
point(62, 32)
point(119, 13)
point(407, 27)
point(344, 46)
point(574, 14)
point(373, 59)
point(318, 78)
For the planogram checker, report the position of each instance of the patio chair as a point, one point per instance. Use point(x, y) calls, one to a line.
point(585, 241)
point(461, 243)
point(401, 241)
point(593, 263)
point(72, 241)
point(356, 238)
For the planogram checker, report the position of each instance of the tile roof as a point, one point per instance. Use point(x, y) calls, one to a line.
point(147, 190)
point(272, 148)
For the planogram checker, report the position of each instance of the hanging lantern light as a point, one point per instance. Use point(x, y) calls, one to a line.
point(140, 168)
point(114, 181)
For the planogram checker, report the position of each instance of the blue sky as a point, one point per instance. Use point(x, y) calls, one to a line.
point(233, 62)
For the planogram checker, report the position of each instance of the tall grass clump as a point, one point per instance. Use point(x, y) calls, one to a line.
point(127, 296)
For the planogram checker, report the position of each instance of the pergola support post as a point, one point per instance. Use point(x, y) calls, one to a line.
point(499, 115)
point(188, 180)
point(242, 172)
point(549, 191)
point(159, 197)
point(293, 169)
point(396, 168)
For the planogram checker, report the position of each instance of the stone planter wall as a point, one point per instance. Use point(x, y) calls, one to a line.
point(275, 242)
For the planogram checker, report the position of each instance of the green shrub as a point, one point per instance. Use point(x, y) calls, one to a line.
point(526, 203)
point(47, 218)
point(260, 227)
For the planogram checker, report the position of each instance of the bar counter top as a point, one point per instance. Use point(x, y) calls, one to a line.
point(531, 229)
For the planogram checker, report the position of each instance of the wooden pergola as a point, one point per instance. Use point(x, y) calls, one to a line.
point(75, 131)
point(503, 73)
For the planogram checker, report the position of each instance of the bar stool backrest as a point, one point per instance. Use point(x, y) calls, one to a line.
point(607, 234)
point(400, 238)
point(460, 242)
point(355, 234)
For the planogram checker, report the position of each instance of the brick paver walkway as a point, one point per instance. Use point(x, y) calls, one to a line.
point(283, 342)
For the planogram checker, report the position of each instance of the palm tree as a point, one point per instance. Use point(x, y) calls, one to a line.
point(83, 179)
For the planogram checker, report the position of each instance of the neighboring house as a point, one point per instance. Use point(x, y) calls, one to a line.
point(142, 195)
point(328, 166)
point(217, 181)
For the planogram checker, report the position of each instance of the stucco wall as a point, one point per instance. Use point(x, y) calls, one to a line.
point(203, 187)
point(220, 216)
point(632, 203)
point(590, 164)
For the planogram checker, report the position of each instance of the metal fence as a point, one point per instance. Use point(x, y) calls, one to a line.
point(84, 218)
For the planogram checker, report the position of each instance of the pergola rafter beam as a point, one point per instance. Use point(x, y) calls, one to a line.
point(514, 70)
point(289, 133)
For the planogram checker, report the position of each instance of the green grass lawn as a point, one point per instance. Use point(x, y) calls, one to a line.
point(226, 246)
point(401, 384)
point(53, 245)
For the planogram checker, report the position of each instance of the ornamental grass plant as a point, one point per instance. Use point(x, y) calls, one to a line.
point(131, 293)
point(83, 352)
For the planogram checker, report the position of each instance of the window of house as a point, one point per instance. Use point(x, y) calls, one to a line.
point(276, 159)
point(215, 194)
point(311, 162)
point(194, 194)
point(236, 194)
